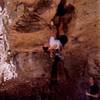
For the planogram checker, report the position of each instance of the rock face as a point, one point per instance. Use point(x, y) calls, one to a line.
point(7, 68)
point(83, 49)
point(84, 34)
point(29, 28)
point(31, 21)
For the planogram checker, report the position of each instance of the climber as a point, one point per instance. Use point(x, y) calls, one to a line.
point(93, 91)
point(55, 48)
point(55, 44)
point(58, 56)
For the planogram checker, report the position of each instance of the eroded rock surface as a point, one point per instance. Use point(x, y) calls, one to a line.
point(30, 29)
point(7, 68)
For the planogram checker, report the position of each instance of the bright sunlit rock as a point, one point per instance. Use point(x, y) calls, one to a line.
point(7, 69)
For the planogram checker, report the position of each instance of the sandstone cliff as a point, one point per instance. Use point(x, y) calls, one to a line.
point(29, 29)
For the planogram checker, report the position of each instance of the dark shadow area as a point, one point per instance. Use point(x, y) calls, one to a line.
point(38, 89)
point(42, 5)
point(63, 17)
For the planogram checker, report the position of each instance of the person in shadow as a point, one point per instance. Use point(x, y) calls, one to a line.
point(93, 91)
